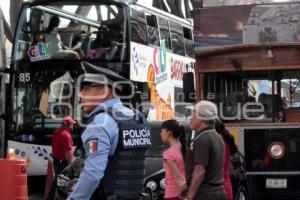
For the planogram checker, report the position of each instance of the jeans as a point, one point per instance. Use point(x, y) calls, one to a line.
point(58, 168)
point(210, 193)
point(99, 195)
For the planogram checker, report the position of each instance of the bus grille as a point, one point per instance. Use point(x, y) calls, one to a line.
point(272, 149)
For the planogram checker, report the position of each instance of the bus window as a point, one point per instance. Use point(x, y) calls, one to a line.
point(153, 34)
point(177, 38)
point(138, 27)
point(188, 41)
point(69, 32)
point(103, 13)
point(164, 32)
point(290, 89)
point(254, 96)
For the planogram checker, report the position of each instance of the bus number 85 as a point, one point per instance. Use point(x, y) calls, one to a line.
point(24, 77)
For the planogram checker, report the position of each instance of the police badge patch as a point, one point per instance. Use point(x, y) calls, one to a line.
point(136, 138)
point(92, 146)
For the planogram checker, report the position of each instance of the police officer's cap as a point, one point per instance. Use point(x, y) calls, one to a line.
point(98, 75)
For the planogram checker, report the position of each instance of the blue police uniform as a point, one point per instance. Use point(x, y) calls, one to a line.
point(100, 140)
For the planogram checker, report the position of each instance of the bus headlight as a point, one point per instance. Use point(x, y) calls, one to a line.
point(151, 185)
point(31, 138)
point(162, 183)
point(276, 150)
point(24, 138)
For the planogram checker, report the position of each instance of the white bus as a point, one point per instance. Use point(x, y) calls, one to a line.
point(151, 49)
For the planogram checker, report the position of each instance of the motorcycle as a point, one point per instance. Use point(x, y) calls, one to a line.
point(154, 187)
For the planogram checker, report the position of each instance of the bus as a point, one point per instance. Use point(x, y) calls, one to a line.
point(250, 68)
point(260, 107)
point(146, 45)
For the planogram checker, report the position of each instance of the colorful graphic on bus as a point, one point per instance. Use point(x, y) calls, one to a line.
point(163, 73)
point(38, 52)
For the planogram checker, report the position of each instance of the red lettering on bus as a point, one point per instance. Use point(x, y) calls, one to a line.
point(177, 69)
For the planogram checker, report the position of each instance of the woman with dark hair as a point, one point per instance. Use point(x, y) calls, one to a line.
point(53, 24)
point(57, 50)
point(103, 38)
point(230, 150)
point(173, 134)
point(102, 44)
point(107, 43)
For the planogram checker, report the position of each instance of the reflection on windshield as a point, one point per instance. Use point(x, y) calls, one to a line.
point(44, 99)
point(93, 32)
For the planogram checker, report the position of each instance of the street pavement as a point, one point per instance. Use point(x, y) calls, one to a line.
point(36, 197)
point(36, 187)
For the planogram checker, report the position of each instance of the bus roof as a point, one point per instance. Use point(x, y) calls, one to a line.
point(186, 22)
point(77, 2)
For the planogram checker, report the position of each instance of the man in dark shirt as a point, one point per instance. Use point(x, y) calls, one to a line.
point(205, 157)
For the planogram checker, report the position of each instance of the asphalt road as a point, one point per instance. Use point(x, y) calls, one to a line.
point(36, 187)
point(36, 197)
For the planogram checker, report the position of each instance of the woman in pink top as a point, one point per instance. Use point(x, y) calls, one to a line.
point(172, 133)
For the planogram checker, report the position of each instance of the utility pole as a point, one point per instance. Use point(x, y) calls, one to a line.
point(6, 32)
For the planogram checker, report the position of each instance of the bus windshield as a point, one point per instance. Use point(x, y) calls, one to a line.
point(63, 31)
point(42, 98)
point(51, 42)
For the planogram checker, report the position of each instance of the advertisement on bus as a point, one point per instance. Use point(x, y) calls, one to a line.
point(162, 71)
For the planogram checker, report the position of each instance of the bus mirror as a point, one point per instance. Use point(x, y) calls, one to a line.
point(188, 87)
point(182, 111)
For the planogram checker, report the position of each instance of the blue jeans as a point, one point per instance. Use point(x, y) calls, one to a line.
point(210, 193)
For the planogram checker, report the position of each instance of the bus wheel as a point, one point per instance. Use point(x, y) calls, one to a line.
point(242, 194)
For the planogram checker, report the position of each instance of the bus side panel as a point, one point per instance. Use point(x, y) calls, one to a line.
point(36, 156)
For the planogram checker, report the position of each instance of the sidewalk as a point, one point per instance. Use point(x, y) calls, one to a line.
point(36, 197)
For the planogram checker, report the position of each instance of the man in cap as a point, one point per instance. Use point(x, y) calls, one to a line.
point(62, 149)
point(205, 157)
point(115, 141)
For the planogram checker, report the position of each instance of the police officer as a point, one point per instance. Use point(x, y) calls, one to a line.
point(115, 141)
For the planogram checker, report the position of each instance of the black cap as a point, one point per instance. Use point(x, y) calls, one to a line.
point(100, 75)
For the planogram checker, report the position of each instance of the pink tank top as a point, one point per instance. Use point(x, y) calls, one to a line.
point(173, 153)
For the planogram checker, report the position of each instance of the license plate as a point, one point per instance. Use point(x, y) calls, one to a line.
point(276, 183)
